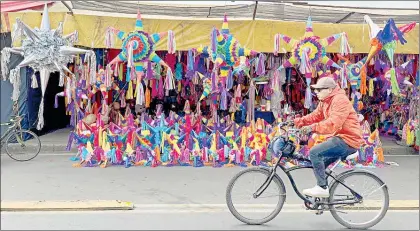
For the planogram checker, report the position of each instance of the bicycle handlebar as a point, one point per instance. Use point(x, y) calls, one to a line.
point(16, 118)
point(287, 123)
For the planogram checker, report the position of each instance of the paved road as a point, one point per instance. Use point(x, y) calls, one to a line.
point(181, 219)
point(49, 177)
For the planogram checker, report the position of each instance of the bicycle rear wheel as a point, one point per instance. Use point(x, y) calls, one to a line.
point(360, 215)
point(23, 145)
point(266, 207)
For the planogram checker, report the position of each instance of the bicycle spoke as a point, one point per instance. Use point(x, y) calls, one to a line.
point(22, 145)
point(241, 193)
point(373, 204)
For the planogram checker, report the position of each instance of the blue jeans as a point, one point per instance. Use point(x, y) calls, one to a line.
point(326, 153)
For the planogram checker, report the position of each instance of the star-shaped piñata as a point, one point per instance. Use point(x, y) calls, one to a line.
point(138, 48)
point(307, 53)
point(386, 39)
point(225, 51)
point(46, 51)
point(352, 72)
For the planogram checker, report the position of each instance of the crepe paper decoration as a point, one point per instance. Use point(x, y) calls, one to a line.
point(218, 129)
point(309, 50)
point(251, 102)
point(221, 143)
point(186, 131)
point(197, 155)
point(307, 53)
point(224, 50)
point(158, 131)
point(207, 85)
point(44, 50)
point(386, 40)
point(355, 72)
point(86, 156)
point(138, 48)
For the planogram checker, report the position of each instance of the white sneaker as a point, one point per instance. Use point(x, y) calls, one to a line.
point(316, 192)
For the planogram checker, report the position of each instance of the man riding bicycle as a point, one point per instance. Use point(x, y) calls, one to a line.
point(336, 119)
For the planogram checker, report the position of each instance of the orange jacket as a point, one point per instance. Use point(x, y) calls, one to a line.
point(335, 116)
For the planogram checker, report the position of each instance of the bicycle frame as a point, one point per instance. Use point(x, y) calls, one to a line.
point(287, 171)
point(12, 126)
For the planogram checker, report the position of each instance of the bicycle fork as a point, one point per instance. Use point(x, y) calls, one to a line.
point(265, 185)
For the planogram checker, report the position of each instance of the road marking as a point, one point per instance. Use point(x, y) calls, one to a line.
point(414, 155)
point(65, 205)
point(177, 211)
point(103, 205)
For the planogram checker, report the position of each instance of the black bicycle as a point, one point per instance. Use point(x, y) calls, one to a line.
point(348, 196)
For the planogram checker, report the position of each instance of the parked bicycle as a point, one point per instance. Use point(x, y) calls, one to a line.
point(348, 196)
point(20, 144)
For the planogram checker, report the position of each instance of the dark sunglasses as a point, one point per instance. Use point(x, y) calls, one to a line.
point(316, 90)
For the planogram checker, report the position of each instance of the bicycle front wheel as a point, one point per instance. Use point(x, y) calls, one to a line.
point(23, 145)
point(250, 210)
point(370, 210)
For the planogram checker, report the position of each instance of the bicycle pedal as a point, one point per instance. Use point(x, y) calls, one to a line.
point(319, 212)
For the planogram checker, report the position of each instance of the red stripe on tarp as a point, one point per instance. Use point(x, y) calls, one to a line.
point(14, 6)
point(6, 18)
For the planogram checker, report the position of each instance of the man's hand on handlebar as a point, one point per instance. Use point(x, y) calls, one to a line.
point(306, 130)
point(287, 123)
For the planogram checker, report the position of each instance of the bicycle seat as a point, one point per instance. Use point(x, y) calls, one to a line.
point(352, 156)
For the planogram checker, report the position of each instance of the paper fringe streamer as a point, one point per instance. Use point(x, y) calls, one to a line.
point(213, 40)
point(34, 81)
point(308, 94)
point(15, 81)
point(363, 87)
point(229, 82)
point(40, 124)
point(277, 39)
point(61, 82)
point(171, 42)
point(305, 65)
point(169, 81)
point(90, 58)
point(109, 37)
point(395, 89)
point(371, 87)
point(260, 70)
point(5, 59)
point(178, 71)
point(345, 48)
point(343, 77)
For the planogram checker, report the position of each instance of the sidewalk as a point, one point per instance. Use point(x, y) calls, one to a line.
point(56, 141)
point(392, 148)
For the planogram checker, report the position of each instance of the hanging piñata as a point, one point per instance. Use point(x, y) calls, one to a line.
point(225, 51)
point(138, 49)
point(308, 52)
point(44, 50)
point(385, 39)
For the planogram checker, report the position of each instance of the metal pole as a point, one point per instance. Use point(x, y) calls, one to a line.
point(255, 10)
point(67, 6)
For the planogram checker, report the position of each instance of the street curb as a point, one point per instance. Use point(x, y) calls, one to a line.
point(79, 205)
point(52, 148)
